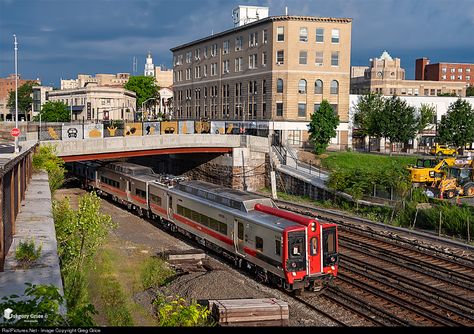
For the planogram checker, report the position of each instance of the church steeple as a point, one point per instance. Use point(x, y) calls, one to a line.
point(149, 67)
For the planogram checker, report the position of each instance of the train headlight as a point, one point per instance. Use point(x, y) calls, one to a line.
point(293, 265)
point(333, 268)
point(293, 273)
point(313, 227)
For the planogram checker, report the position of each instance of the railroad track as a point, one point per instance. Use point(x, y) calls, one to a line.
point(399, 279)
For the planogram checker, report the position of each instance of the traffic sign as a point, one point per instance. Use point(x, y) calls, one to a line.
point(15, 132)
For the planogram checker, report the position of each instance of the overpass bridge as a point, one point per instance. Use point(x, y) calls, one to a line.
point(124, 147)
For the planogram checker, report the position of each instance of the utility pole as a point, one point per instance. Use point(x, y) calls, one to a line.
point(16, 92)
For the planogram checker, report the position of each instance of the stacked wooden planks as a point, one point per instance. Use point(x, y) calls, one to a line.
point(250, 312)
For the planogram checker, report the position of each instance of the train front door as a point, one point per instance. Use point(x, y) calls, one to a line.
point(315, 249)
point(239, 237)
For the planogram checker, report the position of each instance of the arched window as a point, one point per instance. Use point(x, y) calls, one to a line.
point(280, 86)
point(302, 86)
point(318, 87)
point(334, 87)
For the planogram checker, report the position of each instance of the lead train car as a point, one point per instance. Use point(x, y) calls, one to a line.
point(283, 248)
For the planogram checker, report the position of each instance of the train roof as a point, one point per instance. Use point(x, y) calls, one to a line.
point(232, 198)
point(129, 168)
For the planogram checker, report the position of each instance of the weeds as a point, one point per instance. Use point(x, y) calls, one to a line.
point(27, 253)
point(155, 272)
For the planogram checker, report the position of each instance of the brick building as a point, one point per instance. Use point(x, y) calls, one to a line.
point(446, 72)
point(274, 71)
point(6, 86)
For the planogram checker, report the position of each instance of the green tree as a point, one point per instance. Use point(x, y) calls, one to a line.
point(323, 127)
point(54, 111)
point(470, 91)
point(401, 123)
point(79, 234)
point(144, 87)
point(369, 115)
point(457, 126)
point(25, 100)
point(426, 116)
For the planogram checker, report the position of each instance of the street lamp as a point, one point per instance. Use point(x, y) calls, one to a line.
point(70, 117)
point(143, 103)
point(16, 92)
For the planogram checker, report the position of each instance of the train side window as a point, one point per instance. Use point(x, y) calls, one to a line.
point(180, 210)
point(196, 216)
point(277, 247)
point(314, 246)
point(240, 231)
point(259, 244)
point(129, 186)
point(214, 224)
point(203, 219)
point(222, 228)
point(187, 213)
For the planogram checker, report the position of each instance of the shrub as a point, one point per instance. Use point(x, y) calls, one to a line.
point(46, 159)
point(155, 272)
point(178, 313)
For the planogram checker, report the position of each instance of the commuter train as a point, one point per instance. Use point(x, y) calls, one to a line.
point(281, 247)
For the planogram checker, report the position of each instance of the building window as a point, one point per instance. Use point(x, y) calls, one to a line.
point(334, 108)
point(197, 72)
point(459, 70)
point(459, 77)
point(301, 109)
point(264, 59)
point(335, 36)
point(443, 77)
point(253, 61)
point(302, 86)
point(318, 87)
point(265, 36)
point(280, 57)
point(279, 109)
point(453, 70)
point(280, 86)
point(427, 92)
point(253, 39)
point(335, 58)
point(316, 107)
point(334, 87)
point(452, 77)
point(319, 58)
point(303, 57)
point(416, 92)
point(188, 57)
point(214, 50)
point(225, 47)
point(206, 52)
point(280, 34)
point(319, 35)
point(303, 34)
point(213, 69)
point(468, 78)
point(188, 74)
point(197, 54)
point(468, 70)
point(225, 66)
point(238, 64)
point(238, 43)
point(443, 69)
point(205, 71)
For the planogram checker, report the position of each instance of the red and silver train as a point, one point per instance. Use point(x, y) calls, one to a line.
point(283, 248)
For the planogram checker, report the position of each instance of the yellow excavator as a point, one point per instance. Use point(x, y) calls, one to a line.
point(427, 172)
point(459, 181)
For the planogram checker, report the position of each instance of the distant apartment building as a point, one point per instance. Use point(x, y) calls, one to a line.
point(274, 71)
point(40, 97)
point(6, 86)
point(445, 72)
point(163, 77)
point(385, 76)
point(115, 80)
point(94, 102)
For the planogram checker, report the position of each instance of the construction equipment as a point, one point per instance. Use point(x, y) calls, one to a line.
point(429, 171)
point(459, 182)
point(441, 150)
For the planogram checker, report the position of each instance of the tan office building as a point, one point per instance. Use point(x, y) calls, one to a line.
point(275, 70)
point(386, 76)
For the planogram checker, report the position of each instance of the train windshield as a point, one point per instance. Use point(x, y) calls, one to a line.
point(329, 237)
point(296, 251)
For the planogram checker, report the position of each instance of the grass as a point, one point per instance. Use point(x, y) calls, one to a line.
point(122, 270)
point(365, 161)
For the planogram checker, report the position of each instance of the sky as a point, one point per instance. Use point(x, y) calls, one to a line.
point(63, 38)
